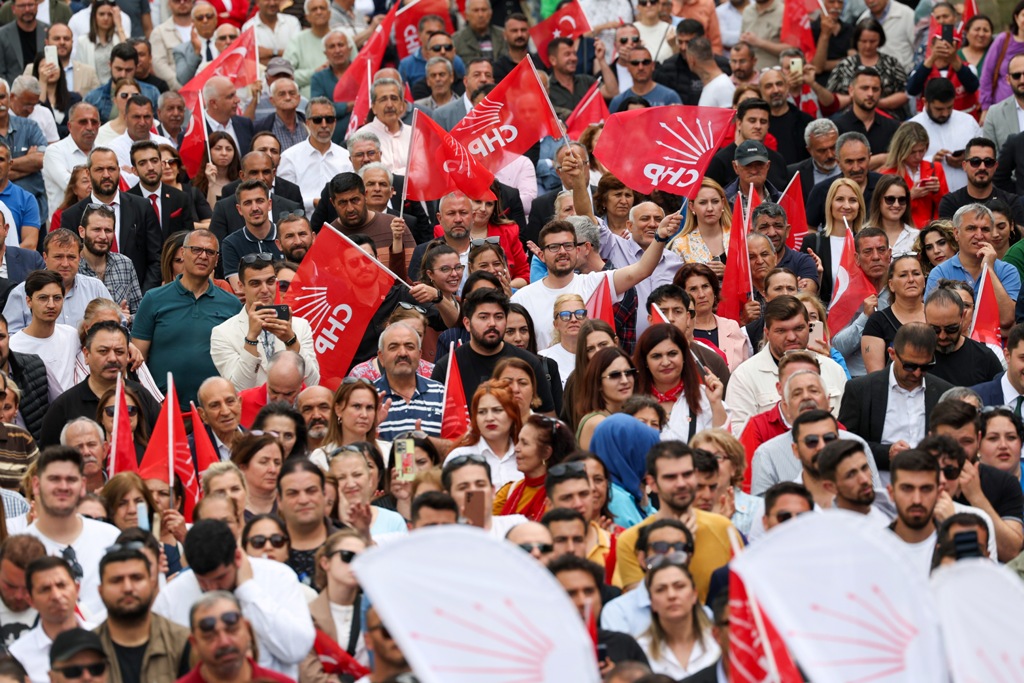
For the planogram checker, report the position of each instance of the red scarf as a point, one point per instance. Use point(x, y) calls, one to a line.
point(533, 510)
point(670, 396)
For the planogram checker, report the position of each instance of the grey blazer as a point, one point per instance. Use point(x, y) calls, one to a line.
point(12, 63)
point(450, 114)
point(1001, 122)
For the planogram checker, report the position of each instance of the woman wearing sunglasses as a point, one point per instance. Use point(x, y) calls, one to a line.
point(543, 443)
point(494, 424)
point(595, 334)
point(356, 413)
point(890, 211)
point(140, 427)
point(570, 312)
point(906, 284)
point(266, 536)
point(609, 380)
point(679, 641)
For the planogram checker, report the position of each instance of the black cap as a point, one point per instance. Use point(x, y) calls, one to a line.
point(69, 643)
point(750, 151)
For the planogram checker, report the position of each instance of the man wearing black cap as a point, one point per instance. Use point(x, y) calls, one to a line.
point(751, 164)
point(77, 655)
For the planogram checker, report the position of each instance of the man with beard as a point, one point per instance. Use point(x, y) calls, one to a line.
point(672, 476)
point(811, 431)
point(173, 207)
point(979, 165)
point(853, 156)
point(915, 491)
point(140, 646)
point(388, 660)
point(770, 220)
point(416, 402)
point(949, 131)
point(60, 158)
point(517, 40)
point(959, 360)
point(86, 436)
point(268, 594)
point(257, 240)
point(106, 354)
point(260, 164)
point(294, 237)
point(16, 614)
point(312, 163)
point(115, 270)
point(862, 116)
point(1001, 121)
point(786, 123)
point(314, 405)
point(484, 314)
point(844, 470)
point(138, 115)
point(57, 487)
point(348, 196)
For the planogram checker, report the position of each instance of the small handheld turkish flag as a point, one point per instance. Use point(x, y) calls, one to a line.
point(985, 325)
point(851, 288)
point(569, 22)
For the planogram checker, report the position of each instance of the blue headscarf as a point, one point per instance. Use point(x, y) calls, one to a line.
point(622, 442)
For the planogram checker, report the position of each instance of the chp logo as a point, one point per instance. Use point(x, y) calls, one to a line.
point(484, 125)
point(457, 158)
point(686, 148)
point(327, 322)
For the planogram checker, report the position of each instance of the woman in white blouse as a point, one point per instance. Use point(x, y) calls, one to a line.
point(105, 31)
point(493, 432)
point(570, 313)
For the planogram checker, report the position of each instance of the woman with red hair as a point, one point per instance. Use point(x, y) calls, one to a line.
point(494, 424)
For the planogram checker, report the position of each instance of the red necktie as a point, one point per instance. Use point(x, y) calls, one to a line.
point(156, 207)
point(113, 243)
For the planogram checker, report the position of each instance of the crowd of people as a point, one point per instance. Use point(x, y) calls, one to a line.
point(629, 454)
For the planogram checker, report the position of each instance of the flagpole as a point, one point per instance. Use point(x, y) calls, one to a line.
point(375, 261)
point(447, 379)
point(597, 91)
point(981, 291)
point(112, 461)
point(547, 98)
point(413, 4)
point(789, 185)
point(408, 158)
point(746, 222)
point(206, 138)
point(170, 437)
point(662, 41)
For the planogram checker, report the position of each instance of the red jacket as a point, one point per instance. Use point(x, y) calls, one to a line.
point(925, 209)
point(258, 674)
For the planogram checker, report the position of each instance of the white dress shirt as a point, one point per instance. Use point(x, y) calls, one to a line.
point(58, 160)
point(953, 135)
point(286, 28)
point(394, 147)
point(116, 206)
point(32, 650)
point(904, 413)
point(216, 126)
point(305, 166)
point(122, 147)
point(47, 123)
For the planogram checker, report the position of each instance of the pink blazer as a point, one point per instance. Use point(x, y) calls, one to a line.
point(733, 340)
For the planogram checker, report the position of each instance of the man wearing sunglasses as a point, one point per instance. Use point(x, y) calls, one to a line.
point(312, 163)
point(265, 592)
point(959, 360)
point(889, 407)
point(980, 162)
point(413, 68)
point(77, 655)
point(1001, 117)
point(641, 69)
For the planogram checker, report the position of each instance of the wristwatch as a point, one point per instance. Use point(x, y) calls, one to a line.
point(663, 241)
point(440, 296)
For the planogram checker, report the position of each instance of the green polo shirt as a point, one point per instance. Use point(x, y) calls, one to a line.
point(178, 326)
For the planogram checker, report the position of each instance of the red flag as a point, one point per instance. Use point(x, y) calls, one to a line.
point(658, 315)
point(433, 149)
point(408, 94)
point(792, 202)
point(796, 25)
point(669, 147)
point(591, 110)
point(169, 443)
point(238, 63)
point(206, 454)
point(455, 418)
point(985, 326)
point(193, 143)
point(851, 288)
point(736, 282)
point(600, 304)
point(510, 120)
point(334, 659)
point(749, 660)
point(407, 35)
point(361, 105)
point(338, 288)
point(569, 22)
point(122, 443)
point(970, 9)
point(372, 53)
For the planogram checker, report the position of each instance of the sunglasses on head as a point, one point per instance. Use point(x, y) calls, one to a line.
point(276, 540)
point(616, 375)
point(812, 440)
point(579, 314)
point(977, 162)
point(73, 671)
point(132, 410)
point(354, 380)
point(481, 241)
point(412, 307)
point(288, 215)
point(413, 435)
point(250, 259)
point(891, 200)
point(461, 460)
point(229, 619)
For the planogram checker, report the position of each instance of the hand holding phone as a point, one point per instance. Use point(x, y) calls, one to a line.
point(474, 509)
point(281, 311)
point(405, 459)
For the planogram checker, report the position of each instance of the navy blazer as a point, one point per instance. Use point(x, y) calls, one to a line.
point(21, 262)
point(991, 392)
point(243, 133)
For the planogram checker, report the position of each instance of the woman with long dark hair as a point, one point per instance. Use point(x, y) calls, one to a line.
point(595, 334)
point(55, 94)
point(219, 167)
point(609, 380)
point(890, 211)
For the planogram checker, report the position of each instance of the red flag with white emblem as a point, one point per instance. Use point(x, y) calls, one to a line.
point(591, 111)
point(569, 22)
point(372, 54)
point(439, 164)
point(669, 148)
point(407, 35)
point(851, 288)
point(122, 443)
point(985, 326)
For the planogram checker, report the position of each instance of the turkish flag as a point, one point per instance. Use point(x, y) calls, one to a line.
point(455, 417)
point(334, 659)
point(591, 111)
point(122, 443)
point(206, 454)
point(851, 288)
point(361, 105)
point(669, 148)
point(338, 288)
point(510, 120)
point(600, 305)
point(737, 286)
point(569, 22)
point(792, 202)
point(658, 315)
point(407, 35)
point(372, 53)
point(439, 164)
point(970, 9)
point(748, 660)
point(237, 62)
point(796, 25)
point(985, 326)
point(193, 142)
point(169, 444)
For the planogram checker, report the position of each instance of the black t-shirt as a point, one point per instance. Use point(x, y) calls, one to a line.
point(884, 325)
point(973, 363)
point(303, 564)
point(28, 45)
point(954, 200)
point(838, 45)
point(622, 647)
point(1002, 490)
point(477, 369)
point(879, 135)
point(788, 130)
point(129, 661)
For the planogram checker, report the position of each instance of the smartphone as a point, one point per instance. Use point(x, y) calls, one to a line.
point(142, 510)
point(283, 311)
point(947, 33)
point(405, 459)
point(50, 54)
point(817, 332)
point(474, 512)
point(966, 544)
point(958, 153)
point(602, 652)
point(796, 65)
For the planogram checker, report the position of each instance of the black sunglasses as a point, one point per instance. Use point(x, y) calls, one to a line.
point(914, 367)
point(567, 469)
point(544, 548)
point(629, 39)
point(132, 410)
point(412, 435)
point(811, 440)
point(119, 547)
point(346, 555)
point(276, 540)
point(977, 162)
point(641, 62)
point(951, 329)
point(73, 671)
point(463, 459)
point(890, 200)
point(250, 259)
point(951, 472)
point(323, 119)
point(786, 515)
point(664, 547)
point(229, 619)
point(448, 47)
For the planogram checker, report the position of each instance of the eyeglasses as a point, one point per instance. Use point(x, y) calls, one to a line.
point(461, 460)
point(566, 316)
point(616, 375)
point(665, 548)
point(250, 259)
point(74, 671)
point(786, 515)
point(811, 440)
point(276, 540)
point(71, 558)
point(446, 270)
point(675, 558)
point(323, 119)
point(170, 162)
point(205, 17)
point(412, 307)
point(126, 95)
point(346, 556)
point(977, 162)
point(288, 215)
point(914, 367)
point(448, 47)
point(891, 200)
point(544, 548)
point(951, 472)
point(1016, 75)
point(132, 410)
point(199, 251)
point(641, 62)
point(481, 241)
point(567, 469)
point(555, 248)
point(229, 619)
point(948, 329)
point(629, 39)
point(282, 285)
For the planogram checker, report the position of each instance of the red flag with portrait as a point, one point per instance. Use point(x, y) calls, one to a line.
point(569, 22)
point(439, 164)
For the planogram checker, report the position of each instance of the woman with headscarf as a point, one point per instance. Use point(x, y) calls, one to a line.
point(621, 442)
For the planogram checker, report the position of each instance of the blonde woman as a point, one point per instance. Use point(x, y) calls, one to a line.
point(732, 465)
point(705, 235)
point(844, 206)
point(570, 312)
point(925, 179)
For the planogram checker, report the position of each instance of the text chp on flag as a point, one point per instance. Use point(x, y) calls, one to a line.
point(407, 19)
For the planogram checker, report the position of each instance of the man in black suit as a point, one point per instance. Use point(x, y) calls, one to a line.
point(20, 262)
point(265, 141)
point(221, 104)
point(894, 418)
point(172, 206)
point(226, 219)
point(137, 232)
point(854, 154)
point(820, 136)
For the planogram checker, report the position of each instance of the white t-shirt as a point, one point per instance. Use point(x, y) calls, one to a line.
point(718, 92)
point(565, 359)
point(342, 615)
point(14, 624)
point(539, 300)
point(58, 352)
point(919, 555)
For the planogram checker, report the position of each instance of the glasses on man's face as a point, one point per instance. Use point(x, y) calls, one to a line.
point(1016, 75)
point(275, 540)
point(578, 314)
point(544, 548)
point(950, 330)
point(641, 62)
point(978, 162)
point(318, 120)
point(917, 367)
point(891, 200)
point(76, 671)
point(785, 515)
point(448, 47)
point(616, 375)
point(812, 440)
point(130, 409)
point(555, 248)
point(229, 619)
point(199, 251)
point(447, 270)
point(629, 39)
point(951, 472)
